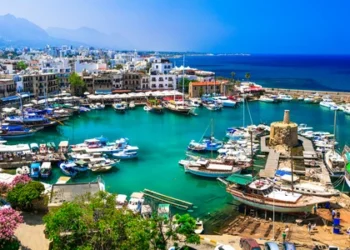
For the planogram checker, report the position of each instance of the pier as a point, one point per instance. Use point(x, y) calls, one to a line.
point(271, 164)
point(181, 204)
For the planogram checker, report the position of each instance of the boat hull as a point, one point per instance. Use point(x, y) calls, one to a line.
point(347, 180)
point(208, 174)
point(269, 207)
point(9, 136)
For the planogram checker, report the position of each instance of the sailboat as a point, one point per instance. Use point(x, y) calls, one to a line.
point(346, 156)
point(179, 107)
point(333, 160)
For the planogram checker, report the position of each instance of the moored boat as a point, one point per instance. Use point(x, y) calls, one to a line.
point(261, 194)
point(131, 105)
point(35, 170)
point(119, 107)
point(45, 170)
point(129, 153)
point(68, 168)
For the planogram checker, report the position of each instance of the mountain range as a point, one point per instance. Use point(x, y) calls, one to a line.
point(21, 32)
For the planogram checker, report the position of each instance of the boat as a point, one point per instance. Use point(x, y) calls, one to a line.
point(43, 149)
point(128, 153)
point(31, 120)
point(328, 103)
point(121, 201)
point(199, 226)
point(346, 156)
point(23, 170)
point(335, 163)
point(132, 105)
point(211, 168)
point(92, 106)
point(178, 108)
point(213, 106)
point(45, 170)
point(268, 99)
point(99, 105)
point(101, 164)
point(35, 170)
point(196, 146)
point(189, 159)
point(164, 211)
point(195, 103)
point(81, 166)
point(225, 102)
point(135, 202)
point(284, 98)
point(68, 168)
point(301, 98)
point(63, 147)
point(261, 194)
point(154, 105)
point(120, 107)
point(8, 131)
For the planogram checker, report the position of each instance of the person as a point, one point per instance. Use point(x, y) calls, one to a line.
point(315, 209)
point(309, 227)
point(333, 214)
point(284, 235)
point(348, 232)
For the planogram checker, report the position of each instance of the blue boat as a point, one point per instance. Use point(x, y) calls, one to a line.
point(35, 170)
point(212, 144)
point(81, 166)
point(8, 131)
point(45, 170)
point(197, 146)
point(68, 168)
point(30, 120)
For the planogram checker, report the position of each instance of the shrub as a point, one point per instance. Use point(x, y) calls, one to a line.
point(9, 220)
point(12, 244)
point(23, 195)
point(24, 179)
point(4, 187)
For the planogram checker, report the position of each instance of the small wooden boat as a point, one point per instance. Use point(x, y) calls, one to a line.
point(68, 168)
point(45, 170)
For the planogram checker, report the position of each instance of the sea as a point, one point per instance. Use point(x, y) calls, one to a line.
point(306, 72)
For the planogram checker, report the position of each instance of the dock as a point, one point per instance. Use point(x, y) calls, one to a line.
point(181, 204)
point(271, 164)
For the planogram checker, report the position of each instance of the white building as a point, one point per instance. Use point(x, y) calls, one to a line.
point(49, 64)
point(162, 82)
point(92, 67)
point(161, 66)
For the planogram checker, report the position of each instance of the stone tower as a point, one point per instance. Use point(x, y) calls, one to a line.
point(284, 133)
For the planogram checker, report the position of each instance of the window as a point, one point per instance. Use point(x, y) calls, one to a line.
point(153, 79)
point(160, 79)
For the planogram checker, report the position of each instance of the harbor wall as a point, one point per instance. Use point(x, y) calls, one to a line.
point(337, 96)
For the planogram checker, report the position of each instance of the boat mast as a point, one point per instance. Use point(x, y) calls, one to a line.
point(251, 150)
point(292, 169)
point(334, 131)
point(243, 110)
point(183, 80)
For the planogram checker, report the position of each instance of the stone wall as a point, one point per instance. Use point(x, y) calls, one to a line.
point(283, 134)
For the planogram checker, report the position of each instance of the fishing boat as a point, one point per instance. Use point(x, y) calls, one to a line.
point(23, 170)
point(35, 170)
point(268, 99)
point(8, 131)
point(261, 194)
point(68, 168)
point(132, 105)
point(211, 168)
point(179, 108)
point(99, 105)
point(100, 165)
point(81, 166)
point(199, 226)
point(45, 170)
point(284, 98)
point(154, 105)
point(225, 102)
point(119, 107)
point(63, 147)
point(129, 153)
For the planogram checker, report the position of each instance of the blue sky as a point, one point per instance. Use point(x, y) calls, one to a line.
point(233, 26)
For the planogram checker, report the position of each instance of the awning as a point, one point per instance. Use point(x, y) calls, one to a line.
point(240, 179)
point(103, 92)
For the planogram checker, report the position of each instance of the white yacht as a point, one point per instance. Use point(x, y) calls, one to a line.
point(284, 98)
point(268, 99)
point(225, 101)
point(335, 163)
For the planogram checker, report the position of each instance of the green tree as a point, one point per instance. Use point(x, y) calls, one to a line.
point(233, 74)
point(92, 222)
point(77, 84)
point(119, 66)
point(21, 65)
point(23, 195)
point(247, 76)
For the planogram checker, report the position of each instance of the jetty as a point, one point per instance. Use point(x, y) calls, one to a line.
point(181, 204)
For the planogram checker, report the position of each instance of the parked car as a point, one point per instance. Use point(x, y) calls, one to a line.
point(333, 248)
point(271, 246)
point(224, 247)
point(288, 246)
point(249, 244)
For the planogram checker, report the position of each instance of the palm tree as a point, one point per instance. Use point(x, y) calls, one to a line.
point(233, 74)
point(247, 76)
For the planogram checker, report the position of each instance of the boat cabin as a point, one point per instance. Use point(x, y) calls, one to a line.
point(92, 143)
point(63, 147)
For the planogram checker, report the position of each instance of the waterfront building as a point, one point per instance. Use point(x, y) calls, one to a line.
point(162, 82)
point(100, 83)
point(249, 87)
point(7, 86)
point(161, 66)
point(197, 89)
point(40, 84)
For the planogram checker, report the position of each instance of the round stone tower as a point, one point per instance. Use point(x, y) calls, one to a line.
point(284, 133)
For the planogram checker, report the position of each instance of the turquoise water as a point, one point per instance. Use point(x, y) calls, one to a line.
point(163, 139)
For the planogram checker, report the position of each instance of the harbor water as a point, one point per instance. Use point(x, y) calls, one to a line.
point(163, 139)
